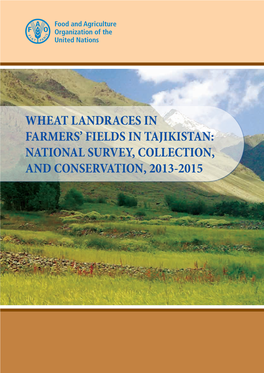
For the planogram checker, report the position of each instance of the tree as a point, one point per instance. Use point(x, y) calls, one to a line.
point(124, 200)
point(30, 196)
point(73, 200)
point(197, 207)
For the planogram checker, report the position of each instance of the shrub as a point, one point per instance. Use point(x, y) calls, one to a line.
point(80, 229)
point(185, 220)
point(194, 208)
point(214, 222)
point(66, 241)
point(89, 200)
point(101, 199)
point(125, 217)
point(165, 217)
point(232, 208)
point(257, 211)
point(7, 238)
point(235, 208)
point(124, 200)
point(196, 241)
point(73, 200)
point(69, 219)
point(93, 215)
point(140, 214)
point(197, 208)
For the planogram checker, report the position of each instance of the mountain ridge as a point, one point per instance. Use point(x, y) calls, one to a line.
point(64, 87)
point(57, 87)
point(253, 158)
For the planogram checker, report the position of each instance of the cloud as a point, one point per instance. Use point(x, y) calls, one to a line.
point(230, 89)
point(252, 93)
point(208, 91)
point(169, 74)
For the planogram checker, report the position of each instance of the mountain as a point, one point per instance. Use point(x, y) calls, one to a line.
point(253, 158)
point(226, 143)
point(252, 141)
point(56, 87)
point(181, 122)
point(64, 87)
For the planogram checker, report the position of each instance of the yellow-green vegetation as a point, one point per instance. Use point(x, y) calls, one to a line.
point(156, 259)
point(230, 250)
point(124, 236)
point(78, 290)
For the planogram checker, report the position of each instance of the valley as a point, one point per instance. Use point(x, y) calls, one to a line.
point(122, 243)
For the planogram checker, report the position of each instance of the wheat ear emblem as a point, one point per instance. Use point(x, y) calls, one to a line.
point(37, 28)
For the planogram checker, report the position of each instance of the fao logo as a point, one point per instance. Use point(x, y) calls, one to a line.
point(37, 31)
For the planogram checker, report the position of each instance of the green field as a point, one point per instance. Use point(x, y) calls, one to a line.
point(224, 257)
point(76, 290)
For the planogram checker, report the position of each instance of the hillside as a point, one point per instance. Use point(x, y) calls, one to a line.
point(66, 87)
point(253, 158)
point(56, 87)
point(252, 141)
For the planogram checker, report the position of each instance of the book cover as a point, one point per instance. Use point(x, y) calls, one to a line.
point(132, 184)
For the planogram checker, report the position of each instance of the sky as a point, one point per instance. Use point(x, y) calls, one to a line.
point(240, 92)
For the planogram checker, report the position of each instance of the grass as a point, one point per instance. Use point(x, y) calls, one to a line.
point(164, 237)
point(157, 259)
point(33, 236)
point(39, 221)
point(223, 236)
point(160, 241)
point(76, 290)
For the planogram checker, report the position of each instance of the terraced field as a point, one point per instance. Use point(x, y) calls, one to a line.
point(89, 258)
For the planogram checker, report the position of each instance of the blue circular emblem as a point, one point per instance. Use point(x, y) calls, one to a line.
point(37, 31)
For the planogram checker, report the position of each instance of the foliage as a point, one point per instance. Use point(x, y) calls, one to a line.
point(140, 213)
point(232, 208)
point(195, 208)
point(30, 196)
point(73, 200)
point(124, 200)
point(101, 199)
point(230, 250)
point(235, 208)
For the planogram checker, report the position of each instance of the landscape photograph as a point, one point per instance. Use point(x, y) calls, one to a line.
point(138, 243)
